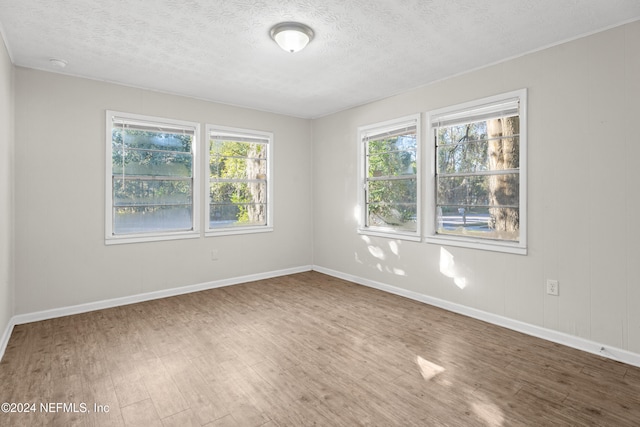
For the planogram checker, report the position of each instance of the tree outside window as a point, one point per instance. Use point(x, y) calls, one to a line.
point(239, 183)
point(151, 179)
point(390, 177)
point(480, 173)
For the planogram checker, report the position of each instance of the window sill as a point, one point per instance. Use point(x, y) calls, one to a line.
point(142, 238)
point(239, 230)
point(414, 237)
point(486, 245)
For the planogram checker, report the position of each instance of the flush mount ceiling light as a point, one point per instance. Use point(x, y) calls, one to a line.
point(58, 63)
point(292, 36)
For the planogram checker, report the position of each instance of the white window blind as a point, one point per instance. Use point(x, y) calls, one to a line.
point(152, 179)
point(390, 178)
point(240, 184)
point(478, 187)
point(496, 110)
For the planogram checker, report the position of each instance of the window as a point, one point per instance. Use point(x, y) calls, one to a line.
point(151, 185)
point(240, 184)
point(479, 180)
point(390, 178)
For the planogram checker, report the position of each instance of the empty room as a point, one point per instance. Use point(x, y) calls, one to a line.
point(330, 213)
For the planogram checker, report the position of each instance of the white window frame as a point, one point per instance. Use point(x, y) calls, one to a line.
point(380, 128)
point(462, 110)
point(110, 237)
point(248, 133)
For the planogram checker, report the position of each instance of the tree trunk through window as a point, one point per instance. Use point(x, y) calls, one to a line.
point(503, 189)
point(255, 170)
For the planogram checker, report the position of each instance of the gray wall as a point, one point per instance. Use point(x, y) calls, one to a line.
point(583, 182)
point(6, 188)
point(583, 199)
point(61, 257)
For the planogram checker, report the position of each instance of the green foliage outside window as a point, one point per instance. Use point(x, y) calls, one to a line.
point(392, 183)
point(478, 178)
point(151, 180)
point(238, 186)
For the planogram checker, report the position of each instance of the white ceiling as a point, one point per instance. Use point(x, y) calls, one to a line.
point(220, 50)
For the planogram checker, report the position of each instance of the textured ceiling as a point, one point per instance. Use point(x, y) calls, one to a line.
point(221, 50)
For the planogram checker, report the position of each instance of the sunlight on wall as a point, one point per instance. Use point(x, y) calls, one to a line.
point(377, 252)
point(394, 247)
point(385, 257)
point(448, 268)
point(460, 282)
point(398, 272)
point(428, 370)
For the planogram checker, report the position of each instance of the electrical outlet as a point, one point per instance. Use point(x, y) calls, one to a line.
point(214, 254)
point(552, 287)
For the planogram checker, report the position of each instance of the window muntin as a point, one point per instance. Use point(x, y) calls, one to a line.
point(480, 173)
point(151, 178)
point(390, 177)
point(239, 180)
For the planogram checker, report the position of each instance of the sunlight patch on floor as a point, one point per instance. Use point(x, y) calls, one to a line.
point(428, 370)
point(489, 412)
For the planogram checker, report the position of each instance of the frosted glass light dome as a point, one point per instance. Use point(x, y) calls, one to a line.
point(292, 36)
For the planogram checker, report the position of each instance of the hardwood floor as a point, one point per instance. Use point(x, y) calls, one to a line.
point(299, 350)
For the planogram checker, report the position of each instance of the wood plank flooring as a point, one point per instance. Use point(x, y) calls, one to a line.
point(301, 350)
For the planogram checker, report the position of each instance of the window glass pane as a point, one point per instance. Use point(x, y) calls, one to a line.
point(237, 215)
point(389, 196)
point(454, 135)
point(393, 163)
point(151, 163)
point(397, 143)
point(239, 160)
point(479, 190)
point(392, 157)
point(147, 140)
point(152, 176)
point(392, 203)
point(483, 222)
point(223, 215)
point(231, 148)
point(475, 156)
point(238, 192)
point(400, 216)
point(240, 203)
point(134, 192)
point(463, 191)
point(392, 191)
point(238, 169)
point(477, 176)
point(477, 130)
point(461, 151)
point(146, 219)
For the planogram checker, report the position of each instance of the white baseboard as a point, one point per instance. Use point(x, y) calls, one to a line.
point(573, 341)
point(4, 340)
point(603, 350)
point(116, 302)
